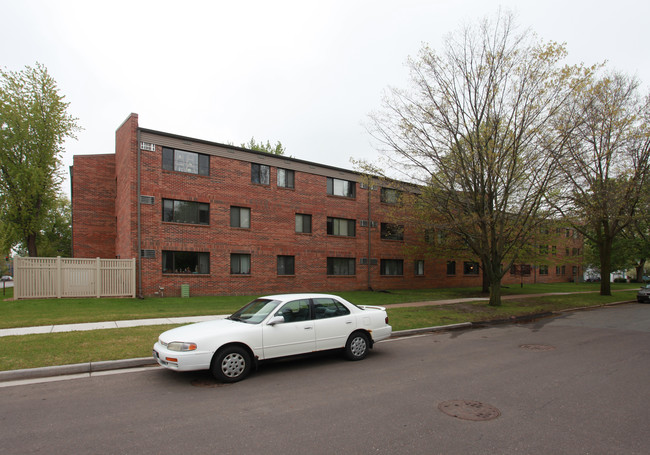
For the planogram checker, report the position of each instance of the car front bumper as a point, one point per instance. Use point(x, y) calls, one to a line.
point(181, 361)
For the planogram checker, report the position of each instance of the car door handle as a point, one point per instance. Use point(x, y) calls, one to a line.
point(308, 328)
point(349, 322)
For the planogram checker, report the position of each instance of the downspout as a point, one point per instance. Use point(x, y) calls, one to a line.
point(369, 233)
point(138, 218)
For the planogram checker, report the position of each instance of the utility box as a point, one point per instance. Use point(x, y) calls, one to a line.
point(185, 290)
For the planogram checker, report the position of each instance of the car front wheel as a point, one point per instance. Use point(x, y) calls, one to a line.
point(357, 346)
point(231, 364)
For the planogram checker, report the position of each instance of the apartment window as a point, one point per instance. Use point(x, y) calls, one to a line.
point(260, 174)
point(340, 226)
point(338, 187)
point(543, 269)
point(391, 267)
point(451, 267)
point(286, 178)
point(419, 267)
point(240, 264)
point(185, 212)
point(185, 262)
point(286, 265)
point(470, 268)
point(183, 161)
point(543, 249)
point(303, 223)
point(554, 250)
point(391, 231)
point(240, 217)
point(390, 195)
point(340, 266)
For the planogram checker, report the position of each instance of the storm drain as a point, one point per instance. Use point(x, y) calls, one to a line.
point(469, 410)
point(206, 383)
point(537, 347)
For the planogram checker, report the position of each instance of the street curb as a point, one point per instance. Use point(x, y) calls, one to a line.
point(78, 368)
point(95, 367)
point(439, 328)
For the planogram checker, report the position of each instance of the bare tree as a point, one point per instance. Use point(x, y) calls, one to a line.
point(605, 162)
point(475, 130)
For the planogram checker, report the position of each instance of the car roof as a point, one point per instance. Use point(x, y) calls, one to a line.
point(284, 297)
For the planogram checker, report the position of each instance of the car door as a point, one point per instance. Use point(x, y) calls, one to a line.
point(333, 323)
point(295, 335)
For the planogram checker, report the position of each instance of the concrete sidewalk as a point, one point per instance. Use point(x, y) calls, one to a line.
point(104, 325)
point(188, 320)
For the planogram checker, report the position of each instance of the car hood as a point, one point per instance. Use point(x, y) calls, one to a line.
point(201, 330)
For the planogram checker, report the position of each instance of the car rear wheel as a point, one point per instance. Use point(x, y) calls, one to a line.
point(357, 346)
point(231, 364)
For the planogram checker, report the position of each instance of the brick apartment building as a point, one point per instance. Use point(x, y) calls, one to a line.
point(226, 220)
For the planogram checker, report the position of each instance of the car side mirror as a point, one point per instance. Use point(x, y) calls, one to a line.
point(276, 320)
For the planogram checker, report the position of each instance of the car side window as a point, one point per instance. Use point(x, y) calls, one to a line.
point(295, 311)
point(329, 308)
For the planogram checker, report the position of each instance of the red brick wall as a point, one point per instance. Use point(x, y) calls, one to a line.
point(126, 144)
point(272, 230)
point(93, 206)
point(273, 233)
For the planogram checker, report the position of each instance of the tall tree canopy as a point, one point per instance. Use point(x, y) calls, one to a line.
point(605, 163)
point(475, 130)
point(277, 149)
point(34, 124)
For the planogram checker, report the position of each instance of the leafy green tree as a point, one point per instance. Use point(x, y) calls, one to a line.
point(55, 238)
point(475, 131)
point(605, 163)
point(276, 149)
point(34, 124)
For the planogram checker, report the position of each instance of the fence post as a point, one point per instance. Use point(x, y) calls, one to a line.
point(98, 277)
point(57, 279)
point(133, 275)
point(17, 277)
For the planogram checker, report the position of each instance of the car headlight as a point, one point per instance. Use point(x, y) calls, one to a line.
point(181, 346)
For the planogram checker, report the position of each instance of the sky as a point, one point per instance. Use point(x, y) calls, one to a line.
point(305, 73)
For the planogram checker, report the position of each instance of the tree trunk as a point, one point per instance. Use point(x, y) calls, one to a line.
point(605, 266)
point(495, 293)
point(31, 246)
point(639, 271)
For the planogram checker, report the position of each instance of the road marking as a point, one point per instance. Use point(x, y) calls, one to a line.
point(70, 377)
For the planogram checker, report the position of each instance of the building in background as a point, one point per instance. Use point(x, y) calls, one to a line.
point(227, 220)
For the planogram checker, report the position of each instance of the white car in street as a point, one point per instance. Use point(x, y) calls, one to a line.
point(271, 327)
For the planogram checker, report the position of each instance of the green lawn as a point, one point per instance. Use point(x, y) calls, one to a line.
point(31, 351)
point(26, 313)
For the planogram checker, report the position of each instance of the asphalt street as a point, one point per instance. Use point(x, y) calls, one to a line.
point(572, 384)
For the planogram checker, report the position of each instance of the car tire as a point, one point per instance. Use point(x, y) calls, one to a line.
point(357, 346)
point(231, 364)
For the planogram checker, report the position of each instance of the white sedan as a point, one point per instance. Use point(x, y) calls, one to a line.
point(271, 327)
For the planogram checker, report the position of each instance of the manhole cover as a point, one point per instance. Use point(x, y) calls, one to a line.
point(537, 347)
point(469, 410)
point(206, 383)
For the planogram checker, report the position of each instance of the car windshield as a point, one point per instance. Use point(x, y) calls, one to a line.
point(255, 312)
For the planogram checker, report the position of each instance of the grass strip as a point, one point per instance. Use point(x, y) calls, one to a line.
point(27, 313)
point(32, 351)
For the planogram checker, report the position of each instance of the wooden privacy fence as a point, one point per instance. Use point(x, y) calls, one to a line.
point(40, 278)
